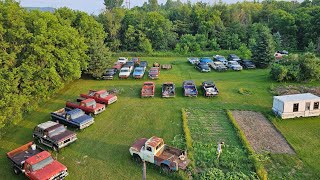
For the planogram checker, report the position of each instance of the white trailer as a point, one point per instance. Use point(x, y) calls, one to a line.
point(296, 105)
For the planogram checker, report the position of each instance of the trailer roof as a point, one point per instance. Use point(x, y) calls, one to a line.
point(297, 97)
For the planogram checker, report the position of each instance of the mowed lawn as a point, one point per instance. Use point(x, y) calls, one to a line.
point(102, 150)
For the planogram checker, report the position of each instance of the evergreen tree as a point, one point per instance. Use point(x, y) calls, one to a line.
point(263, 52)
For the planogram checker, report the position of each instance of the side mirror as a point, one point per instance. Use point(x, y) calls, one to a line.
point(23, 171)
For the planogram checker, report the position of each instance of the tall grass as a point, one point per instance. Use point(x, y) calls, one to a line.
point(260, 170)
point(188, 138)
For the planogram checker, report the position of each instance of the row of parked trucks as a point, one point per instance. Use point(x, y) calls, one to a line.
point(220, 63)
point(134, 68)
point(189, 89)
point(37, 163)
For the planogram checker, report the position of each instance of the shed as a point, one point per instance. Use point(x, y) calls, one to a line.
point(296, 105)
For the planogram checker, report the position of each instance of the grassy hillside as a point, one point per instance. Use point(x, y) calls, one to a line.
point(101, 151)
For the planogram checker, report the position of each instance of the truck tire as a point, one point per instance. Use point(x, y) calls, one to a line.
point(165, 168)
point(137, 158)
point(16, 170)
point(55, 148)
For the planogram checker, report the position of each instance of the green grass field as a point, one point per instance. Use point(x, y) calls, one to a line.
point(101, 151)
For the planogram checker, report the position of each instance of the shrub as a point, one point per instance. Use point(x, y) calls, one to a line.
point(188, 137)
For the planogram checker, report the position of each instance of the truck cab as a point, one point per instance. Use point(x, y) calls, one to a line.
point(154, 151)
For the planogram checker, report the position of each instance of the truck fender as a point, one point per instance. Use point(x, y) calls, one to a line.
point(137, 158)
point(165, 168)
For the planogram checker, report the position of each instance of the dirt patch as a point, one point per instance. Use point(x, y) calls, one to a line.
point(287, 90)
point(261, 133)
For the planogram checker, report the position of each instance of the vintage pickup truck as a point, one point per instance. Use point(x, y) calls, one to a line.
point(189, 88)
point(89, 106)
point(209, 89)
point(53, 135)
point(154, 150)
point(36, 163)
point(148, 89)
point(101, 96)
point(72, 117)
point(168, 89)
point(154, 73)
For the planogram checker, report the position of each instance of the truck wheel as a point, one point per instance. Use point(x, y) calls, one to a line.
point(137, 159)
point(165, 168)
point(16, 170)
point(55, 148)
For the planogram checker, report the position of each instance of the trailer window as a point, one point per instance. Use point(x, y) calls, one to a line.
point(295, 107)
point(316, 105)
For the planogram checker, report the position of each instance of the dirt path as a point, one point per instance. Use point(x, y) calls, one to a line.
point(261, 133)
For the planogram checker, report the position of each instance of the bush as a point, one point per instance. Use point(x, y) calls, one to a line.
point(188, 137)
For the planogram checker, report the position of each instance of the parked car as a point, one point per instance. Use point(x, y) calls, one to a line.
point(189, 88)
point(247, 64)
point(122, 60)
point(148, 89)
point(233, 57)
point(117, 66)
point(144, 64)
point(154, 151)
point(124, 72)
point(218, 66)
point(205, 60)
point(203, 67)
point(75, 118)
point(89, 106)
point(138, 72)
point(166, 66)
point(234, 65)
point(209, 88)
point(100, 96)
point(53, 135)
point(168, 89)
point(154, 73)
point(221, 59)
point(109, 73)
point(283, 52)
point(36, 163)
point(136, 60)
point(193, 60)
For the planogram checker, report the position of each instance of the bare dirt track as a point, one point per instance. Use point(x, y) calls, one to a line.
point(261, 133)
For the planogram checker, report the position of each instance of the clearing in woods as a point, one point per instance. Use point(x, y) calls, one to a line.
point(208, 128)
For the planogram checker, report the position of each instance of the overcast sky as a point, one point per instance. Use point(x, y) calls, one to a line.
point(91, 6)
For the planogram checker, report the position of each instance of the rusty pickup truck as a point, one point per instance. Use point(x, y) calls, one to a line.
point(168, 90)
point(53, 135)
point(89, 106)
point(101, 96)
point(36, 163)
point(148, 89)
point(154, 151)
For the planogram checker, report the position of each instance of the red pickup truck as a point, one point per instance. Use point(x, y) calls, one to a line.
point(101, 96)
point(36, 163)
point(148, 89)
point(89, 106)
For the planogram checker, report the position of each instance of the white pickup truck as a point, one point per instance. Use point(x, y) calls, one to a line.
point(154, 151)
point(124, 72)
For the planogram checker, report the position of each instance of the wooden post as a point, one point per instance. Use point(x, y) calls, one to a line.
point(144, 170)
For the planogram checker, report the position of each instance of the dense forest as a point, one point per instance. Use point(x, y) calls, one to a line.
point(40, 52)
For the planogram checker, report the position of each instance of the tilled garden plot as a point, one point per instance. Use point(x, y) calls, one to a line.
point(261, 133)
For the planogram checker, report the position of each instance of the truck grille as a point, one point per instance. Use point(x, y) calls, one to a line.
point(61, 175)
point(112, 100)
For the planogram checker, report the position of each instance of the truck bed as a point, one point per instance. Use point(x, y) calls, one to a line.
point(168, 90)
point(19, 155)
point(172, 154)
point(60, 112)
point(147, 91)
point(190, 90)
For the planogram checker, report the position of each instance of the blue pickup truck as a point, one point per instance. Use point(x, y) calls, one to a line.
point(72, 117)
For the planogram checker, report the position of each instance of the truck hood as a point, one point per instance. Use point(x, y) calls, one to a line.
point(137, 73)
point(49, 171)
point(83, 119)
point(63, 135)
point(236, 66)
point(124, 73)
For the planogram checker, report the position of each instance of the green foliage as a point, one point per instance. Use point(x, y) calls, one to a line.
point(311, 48)
point(187, 134)
point(300, 68)
point(262, 53)
point(244, 52)
point(111, 4)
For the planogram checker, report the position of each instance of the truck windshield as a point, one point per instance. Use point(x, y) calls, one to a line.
point(57, 131)
point(124, 70)
point(91, 103)
point(42, 164)
point(153, 71)
point(105, 94)
point(76, 115)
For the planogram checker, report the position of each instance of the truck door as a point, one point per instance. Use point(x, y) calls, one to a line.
point(148, 154)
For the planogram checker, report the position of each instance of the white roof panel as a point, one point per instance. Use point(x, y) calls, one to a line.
point(47, 124)
point(297, 97)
